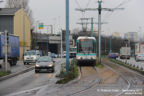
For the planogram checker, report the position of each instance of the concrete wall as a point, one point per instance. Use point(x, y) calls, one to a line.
point(22, 28)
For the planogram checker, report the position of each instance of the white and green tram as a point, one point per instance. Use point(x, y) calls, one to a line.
point(86, 50)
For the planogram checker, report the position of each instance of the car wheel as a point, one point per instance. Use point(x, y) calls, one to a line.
point(25, 63)
point(53, 70)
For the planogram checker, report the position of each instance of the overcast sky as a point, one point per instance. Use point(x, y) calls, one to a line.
point(130, 19)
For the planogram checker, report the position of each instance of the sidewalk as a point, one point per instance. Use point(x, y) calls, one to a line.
point(19, 68)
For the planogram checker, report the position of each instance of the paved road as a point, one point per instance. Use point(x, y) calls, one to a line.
point(132, 61)
point(28, 80)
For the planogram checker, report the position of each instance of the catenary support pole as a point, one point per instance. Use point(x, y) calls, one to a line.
point(99, 28)
point(67, 35)
point(92, 27)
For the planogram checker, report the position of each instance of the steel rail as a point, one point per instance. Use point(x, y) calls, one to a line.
point(91, 85)
point(128, 82)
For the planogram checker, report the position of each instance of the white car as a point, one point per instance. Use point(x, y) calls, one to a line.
point(139, 57)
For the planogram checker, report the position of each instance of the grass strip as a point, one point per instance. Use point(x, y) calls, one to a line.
point(4, 74)
point(99, 65)
point(70, 75)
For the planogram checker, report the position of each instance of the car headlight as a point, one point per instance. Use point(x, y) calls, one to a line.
point(50, 65)
point(37, 65)
point(25, 58)
point(34, 58)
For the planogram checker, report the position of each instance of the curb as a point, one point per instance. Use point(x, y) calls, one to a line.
point(15, 74)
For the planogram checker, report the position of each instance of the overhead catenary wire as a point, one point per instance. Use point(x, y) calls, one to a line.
point(89, 1)
point(76, 1)
point(108, 14)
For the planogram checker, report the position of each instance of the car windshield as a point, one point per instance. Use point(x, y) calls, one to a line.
point(140, 54)
point(44, 59)
point(30, 53)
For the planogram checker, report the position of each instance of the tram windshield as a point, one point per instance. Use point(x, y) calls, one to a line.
point(86, 46)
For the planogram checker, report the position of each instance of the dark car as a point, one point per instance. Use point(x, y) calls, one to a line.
point(44, 63)
point(112, 55)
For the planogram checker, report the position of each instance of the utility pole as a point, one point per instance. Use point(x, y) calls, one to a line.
point(61, 44)
point(99, 9)
point(67, 36)
point(92, 27)
point(99, 28)
point(110, 45)
point(23, 28)
point(105, 46)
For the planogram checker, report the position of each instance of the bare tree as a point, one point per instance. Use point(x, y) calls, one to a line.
point(20, 4)
point(17, 3)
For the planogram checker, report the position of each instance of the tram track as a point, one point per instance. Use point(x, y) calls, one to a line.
point(131, 83)
point(128, 82)
point(92, 83)
point(134, 80)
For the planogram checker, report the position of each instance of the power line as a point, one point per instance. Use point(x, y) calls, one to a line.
point(119, 5)
point(89, 1)
point(77, 3)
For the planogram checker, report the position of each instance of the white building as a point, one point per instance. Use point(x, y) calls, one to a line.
point(132, 36)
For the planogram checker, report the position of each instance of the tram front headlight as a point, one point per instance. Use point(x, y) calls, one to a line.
point(78, 57)
point(93, 57)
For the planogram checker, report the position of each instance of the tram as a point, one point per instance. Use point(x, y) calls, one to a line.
point(86, 50)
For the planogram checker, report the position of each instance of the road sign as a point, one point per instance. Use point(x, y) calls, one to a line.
point(41, 25)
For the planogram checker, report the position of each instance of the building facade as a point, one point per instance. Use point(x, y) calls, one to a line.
point(16, 22)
